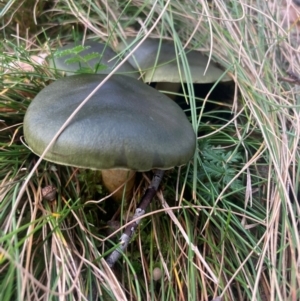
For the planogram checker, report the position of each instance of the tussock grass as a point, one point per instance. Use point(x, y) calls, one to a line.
point(226, 225)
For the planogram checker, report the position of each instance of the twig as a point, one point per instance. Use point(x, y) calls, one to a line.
point(139, 212)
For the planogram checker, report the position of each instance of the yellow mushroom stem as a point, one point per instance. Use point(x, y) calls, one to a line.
point(115, 180)
point(169, 87)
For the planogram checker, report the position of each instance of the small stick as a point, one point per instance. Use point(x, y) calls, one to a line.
point(139, 212)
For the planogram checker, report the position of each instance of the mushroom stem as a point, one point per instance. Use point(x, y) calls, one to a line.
point(115, 179)
point(170, 87)
point(139, 212)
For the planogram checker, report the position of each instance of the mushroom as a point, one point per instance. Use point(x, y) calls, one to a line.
point(157, 61)
point(156, 274)
point(125, 125)
point(104, 55)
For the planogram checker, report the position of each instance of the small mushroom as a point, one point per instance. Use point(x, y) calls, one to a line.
point(106, 56)
point(156, 274)
point(157, 61)
point(125, 125)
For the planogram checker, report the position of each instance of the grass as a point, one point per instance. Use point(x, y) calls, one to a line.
point(226, 225)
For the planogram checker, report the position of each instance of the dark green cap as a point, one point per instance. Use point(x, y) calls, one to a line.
point(126, 124)
point(157, 61)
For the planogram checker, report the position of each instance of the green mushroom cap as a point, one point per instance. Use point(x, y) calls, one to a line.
point(158, 61)
point(104, 55)
point(126, 124)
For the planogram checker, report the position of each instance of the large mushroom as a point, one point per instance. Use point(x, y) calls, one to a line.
point(97, 57)
point(125, 125)
point(159, 63)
